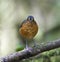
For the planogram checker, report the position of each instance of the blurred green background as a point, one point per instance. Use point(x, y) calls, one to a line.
point(47, 16)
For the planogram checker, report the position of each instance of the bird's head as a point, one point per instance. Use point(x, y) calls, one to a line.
point(30, 18)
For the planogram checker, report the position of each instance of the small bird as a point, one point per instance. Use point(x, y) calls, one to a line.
point(28, 29)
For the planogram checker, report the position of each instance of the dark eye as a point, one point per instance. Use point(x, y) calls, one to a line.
point(31, 19)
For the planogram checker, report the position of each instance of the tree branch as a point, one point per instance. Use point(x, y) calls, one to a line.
point(30, 52)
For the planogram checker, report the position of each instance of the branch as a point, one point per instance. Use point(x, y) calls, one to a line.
point(30, 52)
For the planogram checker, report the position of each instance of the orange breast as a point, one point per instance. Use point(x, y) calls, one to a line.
point(28, 30)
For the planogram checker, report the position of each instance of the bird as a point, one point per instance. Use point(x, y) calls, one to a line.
point(28, 29)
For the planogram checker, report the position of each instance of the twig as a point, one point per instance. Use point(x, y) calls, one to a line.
point(30, 52)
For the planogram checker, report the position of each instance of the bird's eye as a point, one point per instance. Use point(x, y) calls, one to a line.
point(30, 18)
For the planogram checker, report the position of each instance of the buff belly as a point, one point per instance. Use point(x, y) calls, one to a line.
point(28, 30)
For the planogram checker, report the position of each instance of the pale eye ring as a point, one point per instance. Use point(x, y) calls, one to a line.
point(30, 19)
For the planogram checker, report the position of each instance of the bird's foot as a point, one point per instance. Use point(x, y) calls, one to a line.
point(36, 46)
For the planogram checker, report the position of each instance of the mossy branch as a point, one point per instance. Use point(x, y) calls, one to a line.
point(30, 52)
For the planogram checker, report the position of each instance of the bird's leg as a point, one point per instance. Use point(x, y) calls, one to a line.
point(34, 43)
point(26, 44)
